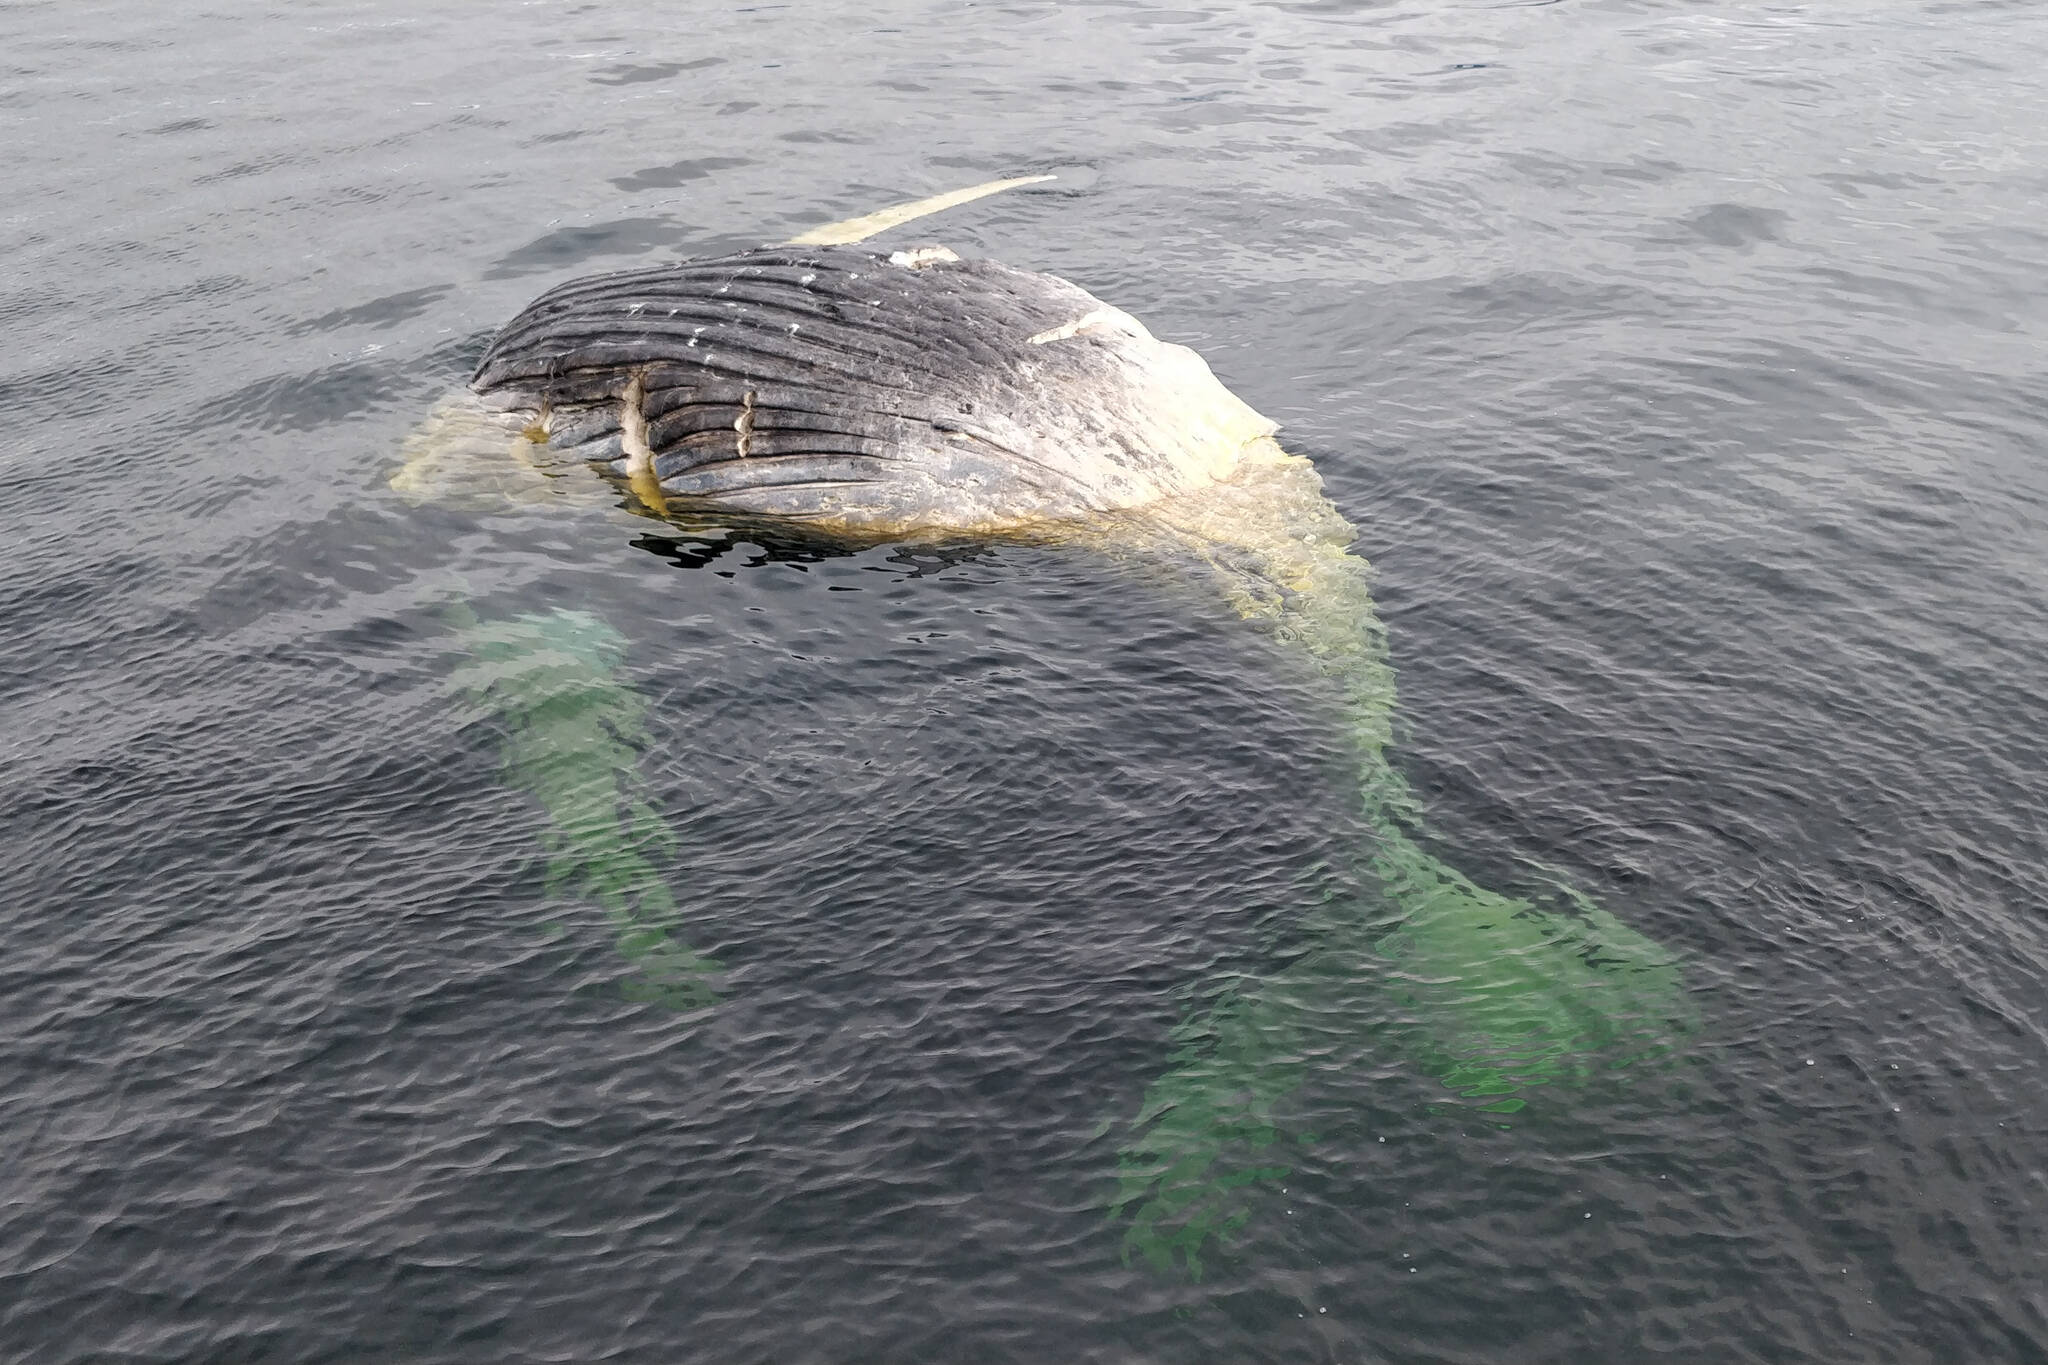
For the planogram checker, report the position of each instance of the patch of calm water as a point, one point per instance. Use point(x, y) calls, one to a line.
point(1683, 371)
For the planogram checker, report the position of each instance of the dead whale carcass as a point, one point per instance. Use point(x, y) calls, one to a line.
point(881, 392)
point(915, 393)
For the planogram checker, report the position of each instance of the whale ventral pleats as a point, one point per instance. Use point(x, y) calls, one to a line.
point(911, 389)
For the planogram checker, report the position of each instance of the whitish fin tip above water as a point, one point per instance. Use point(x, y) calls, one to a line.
point(851, 230)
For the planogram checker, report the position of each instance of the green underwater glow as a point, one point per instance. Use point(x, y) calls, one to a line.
point(1487, 993)
point(1492, 995)
point(573, 737)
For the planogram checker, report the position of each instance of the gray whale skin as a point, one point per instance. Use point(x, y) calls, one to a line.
point(871, 391)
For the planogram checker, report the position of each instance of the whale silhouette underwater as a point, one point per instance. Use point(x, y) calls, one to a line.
point(913, 394)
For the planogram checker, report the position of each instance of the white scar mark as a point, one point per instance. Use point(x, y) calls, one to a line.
point(852, 230)
point(1100, 319)
point(919, 257)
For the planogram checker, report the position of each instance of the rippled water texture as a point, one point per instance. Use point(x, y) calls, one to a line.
point(514, 928)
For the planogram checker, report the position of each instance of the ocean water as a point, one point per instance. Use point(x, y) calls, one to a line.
point(516, 928)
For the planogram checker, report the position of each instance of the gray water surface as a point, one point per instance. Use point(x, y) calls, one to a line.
point(1684, 367)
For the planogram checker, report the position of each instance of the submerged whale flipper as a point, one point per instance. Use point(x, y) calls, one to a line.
point(570, 735)
point(914, 394)
point(1488, 993)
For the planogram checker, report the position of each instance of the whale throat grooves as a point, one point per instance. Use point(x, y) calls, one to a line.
point(879, 392)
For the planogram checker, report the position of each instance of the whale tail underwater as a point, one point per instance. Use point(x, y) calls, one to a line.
point(915, 394)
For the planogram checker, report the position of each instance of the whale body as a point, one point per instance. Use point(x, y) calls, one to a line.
point(914, 393)
point(877, 392)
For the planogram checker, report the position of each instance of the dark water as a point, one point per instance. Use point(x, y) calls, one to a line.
point(1684, 367)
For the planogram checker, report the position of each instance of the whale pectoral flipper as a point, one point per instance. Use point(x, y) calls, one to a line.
point(1491, 993)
